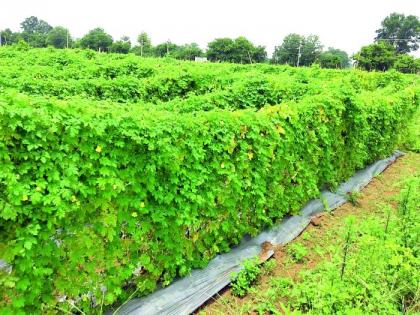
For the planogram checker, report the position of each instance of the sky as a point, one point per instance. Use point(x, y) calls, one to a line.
point(346, 25)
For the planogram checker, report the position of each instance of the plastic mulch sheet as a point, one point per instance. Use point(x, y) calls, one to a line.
point(185, 295)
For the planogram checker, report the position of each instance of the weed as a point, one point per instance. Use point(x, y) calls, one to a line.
point(269, 266)
point(306, 235)
point(409, 214)
point(325, 204)
point(281, 285)
point(346, 247)
point(243, 280)
point(388, 211)
point(266, 307)
point(297, 252)
point(370, 274)
point(353, 197)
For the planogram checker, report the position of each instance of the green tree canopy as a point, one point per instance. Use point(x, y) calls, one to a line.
point(59, 37)
point(246, 52)
point(329, 60)
point(311, 50)
point(188, 52)
point(239, 50)
point(403, 32)
point(8, 37)
point(221, 49)
point(121, 46)
point(35, 31)
point(242, 51)
point(298, 50)
point(406, 64)
point(378, 56)
point(33, 25)
point(165, 49)
point(97, 39)
point(288, 51)
point(144, 47)
point(334, 58)
point(259, 54)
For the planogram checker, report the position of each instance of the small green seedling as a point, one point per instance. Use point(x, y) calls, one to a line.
point(243, 280)
point(353, 197)
point(281, 285)
point(306, 235)
point(325, 204)
point(297, 252)
point(268, 266)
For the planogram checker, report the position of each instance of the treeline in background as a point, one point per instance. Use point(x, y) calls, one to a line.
point(396, 38)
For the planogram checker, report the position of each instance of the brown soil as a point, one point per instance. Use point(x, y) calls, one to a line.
point(320, 234)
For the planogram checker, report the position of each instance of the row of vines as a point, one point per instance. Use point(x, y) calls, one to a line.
point(120, 173)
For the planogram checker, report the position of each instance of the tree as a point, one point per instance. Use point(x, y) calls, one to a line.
point(403, 32)
point(378, 56)
point(298, 50)
point(406, 64)
point(259, 54)
point(35, 31)
point(246, 52)
point(145, 45)
point(165, 49)
point(334, 58)
point(221, 49)
point(8, 37)
point(59, 37)
point(242, 50)
point(121, 46)
point(33, 25)
point(239, 50)
point(288, 51)
point(97, 39)
point(310, 51)
point(329, 60)
point(188, 51)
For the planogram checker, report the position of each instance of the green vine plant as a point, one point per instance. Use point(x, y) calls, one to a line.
point(118, 171)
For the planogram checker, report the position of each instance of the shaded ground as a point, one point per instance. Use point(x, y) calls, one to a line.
point(318, 237)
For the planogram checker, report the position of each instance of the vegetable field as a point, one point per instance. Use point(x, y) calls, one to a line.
point(119, 173)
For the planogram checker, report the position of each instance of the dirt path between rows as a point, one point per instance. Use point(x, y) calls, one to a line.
point(320, 234)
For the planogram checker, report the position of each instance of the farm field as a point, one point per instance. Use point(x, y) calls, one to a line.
point(121, 173)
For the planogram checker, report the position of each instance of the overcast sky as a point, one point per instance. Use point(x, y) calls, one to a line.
point(342, 24)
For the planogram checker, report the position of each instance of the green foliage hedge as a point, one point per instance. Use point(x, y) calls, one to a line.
point(98, 199)
point(128, 79)
point(90, 196)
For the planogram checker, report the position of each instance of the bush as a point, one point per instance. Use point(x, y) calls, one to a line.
point(406, 64)
point(378, 56)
